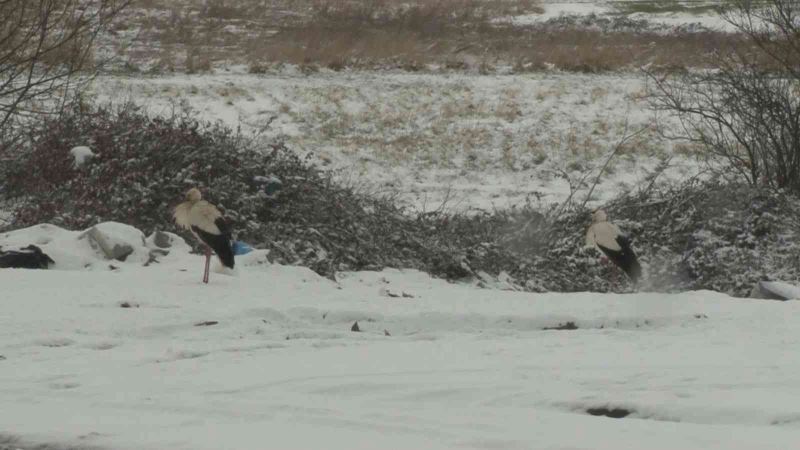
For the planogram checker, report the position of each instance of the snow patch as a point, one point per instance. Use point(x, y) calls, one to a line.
point(76, 250)
point(271, 352)
point(81, 154)
point(777, 290)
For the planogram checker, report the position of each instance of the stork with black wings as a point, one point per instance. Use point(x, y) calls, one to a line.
point(207, 224)
point(614, 244)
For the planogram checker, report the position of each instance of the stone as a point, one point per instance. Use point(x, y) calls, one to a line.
point(110, 249)
point(162, 240)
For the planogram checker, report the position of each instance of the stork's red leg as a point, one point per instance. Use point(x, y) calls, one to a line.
point(614, 279)
point(208, 263)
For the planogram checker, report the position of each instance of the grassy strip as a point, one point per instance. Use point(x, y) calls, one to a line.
point(415, 35)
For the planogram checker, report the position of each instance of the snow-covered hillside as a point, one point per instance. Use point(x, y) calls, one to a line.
point(135, 357)
point(464, 140)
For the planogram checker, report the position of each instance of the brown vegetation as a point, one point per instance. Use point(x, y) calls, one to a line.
point(412, 35)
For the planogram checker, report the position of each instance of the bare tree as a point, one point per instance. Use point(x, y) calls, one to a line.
point(747, 110)
point(44, 44)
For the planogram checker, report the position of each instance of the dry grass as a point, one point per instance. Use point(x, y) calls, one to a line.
point(411, 35)
point(588, 51)
point(661, 6)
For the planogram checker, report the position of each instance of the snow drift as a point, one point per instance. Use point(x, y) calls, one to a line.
point(149, 358)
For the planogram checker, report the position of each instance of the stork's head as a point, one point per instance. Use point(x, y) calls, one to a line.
point(599, 216)
point(193, 195)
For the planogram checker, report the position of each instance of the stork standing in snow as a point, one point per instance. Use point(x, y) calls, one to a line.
point(207, 224)
point(614, 244)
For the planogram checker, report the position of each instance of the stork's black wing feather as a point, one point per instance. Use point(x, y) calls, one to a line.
point(223, 226)
point(625, 258)
point(220, 243)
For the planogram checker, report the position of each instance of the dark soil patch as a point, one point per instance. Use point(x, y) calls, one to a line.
point(614, 413)
point(565, 326)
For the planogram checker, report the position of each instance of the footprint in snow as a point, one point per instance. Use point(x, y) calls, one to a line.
point(792, 419)
point(102, 346)
point(55, 342)
point(67, 385)
point(181, 355)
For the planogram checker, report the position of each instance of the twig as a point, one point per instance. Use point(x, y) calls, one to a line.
point(625, 138)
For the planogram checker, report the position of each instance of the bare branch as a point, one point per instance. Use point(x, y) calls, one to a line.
point(626, 137)
point(747, 112)
point(45, 45)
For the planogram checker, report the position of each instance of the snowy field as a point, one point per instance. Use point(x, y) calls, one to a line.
point(464, 140)
point(457, 138)
point(674, 13)
point(150, 358)
point(100, 354)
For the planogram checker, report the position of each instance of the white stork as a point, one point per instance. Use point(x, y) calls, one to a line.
point(207, 224)
point(614, 244)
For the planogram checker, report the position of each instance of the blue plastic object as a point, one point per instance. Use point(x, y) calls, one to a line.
point(240, 248)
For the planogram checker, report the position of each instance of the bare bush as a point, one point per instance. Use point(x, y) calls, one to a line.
point(144, 165)
point(43, 45)
point(747, 112)
point(221, 9)
point(696, 236)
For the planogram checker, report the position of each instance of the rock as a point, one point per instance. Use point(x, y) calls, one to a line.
point(162, 240)
point(387, 293)
point(114, 240)
point(110, 249)
point(152, 256)
point(120, 252)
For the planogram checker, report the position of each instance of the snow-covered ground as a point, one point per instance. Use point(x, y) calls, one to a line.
point(150, 358)
point(677, 17)
point(109, 354)
point(480, 141)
